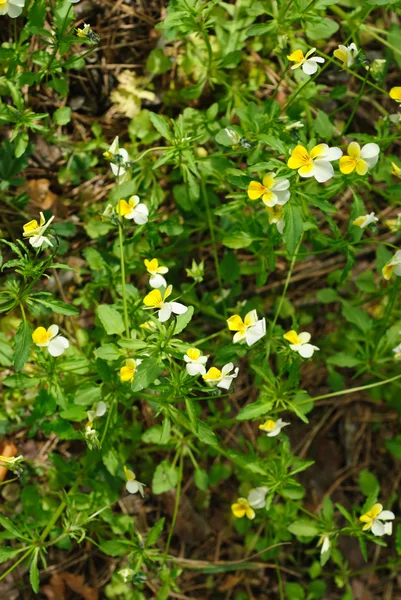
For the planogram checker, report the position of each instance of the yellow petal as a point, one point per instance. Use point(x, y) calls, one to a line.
point(168, 292)
point(361, 167)
point(375, 511)
point(297, 56)
point(292, 337)
point(235, 323)
point(151, 265)
point(255, 190)
point(193, 353)
point(347, 164)
point(317, 151)
point(341, 55)
point(268, 181)
point(212, 375)
point(123, 208)
point(395, 93)
point(306, 169)
point(238, 510)
point(387, 271)
point(40, 336)
point(153, 299)
point(31, 226)
point(359, 221)
point(250, 513)
point(126, 373)
point(299, 157)
point(354, 150)
point(269, 425)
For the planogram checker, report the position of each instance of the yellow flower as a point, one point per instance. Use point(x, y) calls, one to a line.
point(273, 191)
point(365, 220)
point(242, 508)
point(155, 300)
point(195, 362)
point(50, 339)
point(34, 231)
point(276, 217)
point(300, 343)
point(374, 518)
point(396, 170)
point(346, 54)
point(316, 163)
point(221, 379)
point(393, 266)
point(395, 94)
point(132, 484)
point(133, 209)
point(250, 329)
point(273, 428)
point(309, 65)
point(127, 372)
point(359, 159)
point(156, 280)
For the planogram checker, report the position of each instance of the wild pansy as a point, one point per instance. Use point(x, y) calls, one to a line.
point(156, 273)
point(273, 190)
point(346, 54)
point(308, 62)
point(195, 362)
point(221, 379)
point(300, 343)
point(393, 266)
point(154, 300)
point(49, 338)
point(118, 158)
point(133, 209)
point(273, 428)
point(359, 159)
point(395, 93)
point(365, 220)
point(132, 485)
point(127, 372)
point(249, 330)
point(276, 217)
point(376, 519)
point(12, 8)
point(34, 231)
point(316, 163)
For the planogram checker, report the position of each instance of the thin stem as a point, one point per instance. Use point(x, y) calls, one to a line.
point(106, 427)
point(176, 505)
point(52, 521)
point(19, 561)
point(123, 281)
point(356, 104)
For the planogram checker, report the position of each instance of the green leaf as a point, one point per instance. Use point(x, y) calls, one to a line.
point(161, 124)
point(342, 359)
point(23, 342)
point(73, 413)
point(381, 2)
point(58, 307)
point(63, 15)
point(154, 533)
point(111, 319)
point(108, 352)
point(165, 478)
point(157, 62)
point(294, 591)
point(6, 523)
point(394, 446)
point(34, 571)
point(368, 483)
point(222, 137)
point(111, 461)
point(191, 414)
point(293, 226)
point(62, 115)
point(165, 433)
point(323, 126)
point(183, 320)
point(201, 479)
point(256, 409)
point(345, 513)
point(237, 240)
point(147, 372)
point(328, 509)
point(115, 547)
point(205, 434)
point(87, 395)
point(320, 28)
point(357, 317)
point(303, 527)
point(6, 553)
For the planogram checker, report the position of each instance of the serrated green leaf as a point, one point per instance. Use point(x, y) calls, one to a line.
point(111, 319)
point(23, 342)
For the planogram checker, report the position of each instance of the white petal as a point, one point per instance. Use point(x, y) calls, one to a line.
point(283, 197)
point(140, 214)
point(272, 201)
point(306, 350)
point(318, 59)
point(323, 170)
point(157, 281)
point(117, 169)
point(371, 162)
point(386, 515)
point(388, 528)
point(132, 486)
point(378, 528)
point(333, 153)
point(14, 11)
point(280, 184)
point(165, 312)
point(371, 150)
point(195, 369)
point(256, 332)
point(53, 331)
point(227, 368)
point(239, 337)
point(101, 409)
point(178, 308)
point(251, 318)
point(280, 226)
point(274, 432)
point(304, 337)
point(309, 67)
point(225, 382)
point(58, 345)
point(124, 154)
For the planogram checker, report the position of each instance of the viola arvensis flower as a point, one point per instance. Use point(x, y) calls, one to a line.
point(133, 209)
point(49, 338)
point(12, 8)
point(393, 266)
point(132, 485)
point(257, 497)
point(195, 362)
point(374, 518)
point(242, 508)
point(127, 372)
point(359, 160)
point(346, 54)
point(35, 231)
point(156, 273)
point(299, 343)
point(221, 379)
point(154, 300)
point(249, 330)
point(365, 220)
point(395, 94)
point(273, 190)
point(309, 65)
point(273, 428)
point(316, 163)
point(118, 158)
point(276, 217)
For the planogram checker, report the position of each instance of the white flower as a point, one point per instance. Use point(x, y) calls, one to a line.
point(276, 217)
point(195, 362)
point(325, 542)
point(365, 220)
point(156, 301)
point(118, 158)
point(309, 65)
point(273, 428)
point(273, 190)
point(346, 54)
point(250, 329)
point(133, 486)
point(221, 379)
point(56, 344)
point(374, 518)
point(156, 273)
point(299, 343)
point(316, 163)
point(12, 8)
point(34, 230)
point(257, 497)
point(393, 266)
point(133, 209)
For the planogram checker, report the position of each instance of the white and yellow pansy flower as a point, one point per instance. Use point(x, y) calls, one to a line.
point(376, 519)
point(154, 300)
point(12, 8)
point(276, 217)
point(395, 94)
point(346, 54)
point(34, 231)
point(195, 362)
point(397, 352)
point(365, 220)
point(249, 330)
point(359, 159)
point(132, 485)
point(300, 343)
point(316, 163)
point(325, 544)
point(393, 266)
point(308, 62)
point(257, 497)
point(272, 191)
point(242, 508)
point(156, 273)
point(273, 428)
point(127, 372)
point(133, 209)
point(221, 379)
point(118, 158)
point(50, 339)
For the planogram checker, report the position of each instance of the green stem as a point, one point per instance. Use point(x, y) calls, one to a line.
point(19, 561)
point(147, 152)
point(52, 521)
point(356, 104)
point(123, 281)
point(176, 505)
point(106, 427)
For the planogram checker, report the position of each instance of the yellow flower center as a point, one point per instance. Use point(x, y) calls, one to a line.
point(269, 425)
point(193, 353)
point(40, 336)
